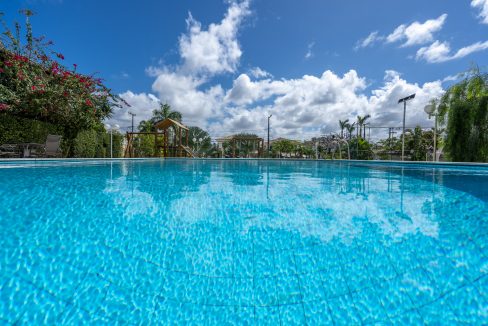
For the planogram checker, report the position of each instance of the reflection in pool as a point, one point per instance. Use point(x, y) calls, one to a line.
point(242, 241)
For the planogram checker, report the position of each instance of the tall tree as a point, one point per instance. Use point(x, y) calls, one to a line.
point(199, 140)
point(350, 129)
point(165, 112)
point(343, 124)
point(361, 124)
point(465, 107)
point(146, 126)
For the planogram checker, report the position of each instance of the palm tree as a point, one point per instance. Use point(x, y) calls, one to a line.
point(165, 112)
point(146, 126)
point(361, 123)
point(343, 125)
point(350, 129)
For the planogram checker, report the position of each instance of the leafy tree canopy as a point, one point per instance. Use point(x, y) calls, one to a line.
point(35, 84)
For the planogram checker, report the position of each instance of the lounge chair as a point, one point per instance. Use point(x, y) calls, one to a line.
point(52, 147)
point(9, 150)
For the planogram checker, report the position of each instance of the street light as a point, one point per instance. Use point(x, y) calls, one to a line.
point(111, 129)
point(404, 100)
point(197, 141)
point(269, 117)
point(431, 110)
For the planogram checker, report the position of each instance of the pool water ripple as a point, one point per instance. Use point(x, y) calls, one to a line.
point(241, 242)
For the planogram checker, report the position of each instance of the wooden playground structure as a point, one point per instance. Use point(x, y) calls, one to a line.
point(170, 140)
point(254, 144)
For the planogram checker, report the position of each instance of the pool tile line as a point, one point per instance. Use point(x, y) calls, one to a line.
point(149, 262)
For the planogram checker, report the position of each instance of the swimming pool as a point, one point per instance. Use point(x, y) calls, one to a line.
point(245, 242)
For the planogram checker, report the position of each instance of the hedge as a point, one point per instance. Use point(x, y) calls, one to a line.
point(91, 143)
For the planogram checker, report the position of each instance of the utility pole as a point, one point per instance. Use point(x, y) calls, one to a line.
point(269, 117)
point(133, 115)
point(404, 100)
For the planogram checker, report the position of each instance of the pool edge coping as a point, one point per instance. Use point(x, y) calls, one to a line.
point(473, 164)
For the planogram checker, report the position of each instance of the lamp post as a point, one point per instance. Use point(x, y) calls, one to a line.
point(133, 115)
point(111, 129)
point(431, 110)
point(404, 101)
point(269, 117)
point(197, 142)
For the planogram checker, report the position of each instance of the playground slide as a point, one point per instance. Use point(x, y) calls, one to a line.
point(189, 151)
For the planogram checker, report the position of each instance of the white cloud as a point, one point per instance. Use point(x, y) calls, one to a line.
point(482, 5)
point(441, 51)
point(215, 50)
point(369, 40)
point(309, 53)
point(183, 93)
point(140, 104)
point(302, 107)
point(257, 72)
point(414, 34)
point(417, 33)
point(310, 105)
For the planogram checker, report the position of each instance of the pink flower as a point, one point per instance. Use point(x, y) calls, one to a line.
point(33, 88)
point(88, 102)
point(3, 106)
point(1, 70)
point(60, 56)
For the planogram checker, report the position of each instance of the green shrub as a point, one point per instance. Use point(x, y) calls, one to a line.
point(96, 144)
point(20, 130)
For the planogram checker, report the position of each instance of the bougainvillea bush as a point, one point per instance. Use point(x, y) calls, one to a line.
point(34, 84)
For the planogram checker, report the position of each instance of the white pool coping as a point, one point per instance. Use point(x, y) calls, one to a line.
point(385, 162)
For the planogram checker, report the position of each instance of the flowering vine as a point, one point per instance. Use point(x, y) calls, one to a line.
point(35, 84)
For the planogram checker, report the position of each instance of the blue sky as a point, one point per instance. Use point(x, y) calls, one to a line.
point(226, 65)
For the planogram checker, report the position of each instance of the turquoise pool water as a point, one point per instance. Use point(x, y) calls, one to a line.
point(217, 242)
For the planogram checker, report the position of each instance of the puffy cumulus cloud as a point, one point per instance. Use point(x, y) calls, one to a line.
point(417, 33)
point(215, 50)
point(482, 5)
point(184, 94)
point(301, 107)
point(441, 51)
point(383, 104)
point(310, 105)
point(141, 105)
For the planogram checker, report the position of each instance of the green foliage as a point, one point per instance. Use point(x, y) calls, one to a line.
point(20, 130)
point(164, 112)
point(360, 149)
point(343, 125)
point(198, 133)
point(144, 146)
point(35, 85)
point(95, 143)
point(418, 145)
point(465, 108)
point(85, 144)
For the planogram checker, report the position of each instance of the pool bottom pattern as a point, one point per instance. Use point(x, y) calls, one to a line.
point(89, 262)
point(308, 285)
